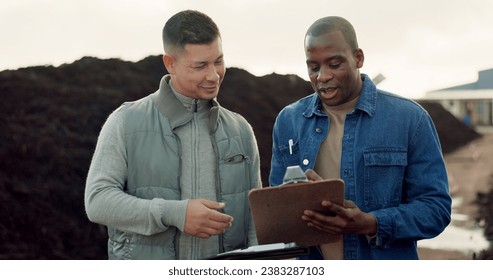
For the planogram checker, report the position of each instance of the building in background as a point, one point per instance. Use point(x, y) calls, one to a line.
point(471, 103)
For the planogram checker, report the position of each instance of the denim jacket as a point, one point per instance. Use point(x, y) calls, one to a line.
point(391, 163)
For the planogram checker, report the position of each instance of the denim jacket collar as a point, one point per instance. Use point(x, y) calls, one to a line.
point(367, 100)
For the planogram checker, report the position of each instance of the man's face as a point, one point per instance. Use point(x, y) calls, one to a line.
point(198, 70)
point(333, 68)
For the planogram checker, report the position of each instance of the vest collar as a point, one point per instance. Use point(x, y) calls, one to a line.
point(174, 110)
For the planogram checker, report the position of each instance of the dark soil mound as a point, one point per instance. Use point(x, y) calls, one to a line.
point(452, 132)
point(50, 118)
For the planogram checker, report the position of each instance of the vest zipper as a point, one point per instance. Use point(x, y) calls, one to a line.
point(195, 132)
point(218, 186)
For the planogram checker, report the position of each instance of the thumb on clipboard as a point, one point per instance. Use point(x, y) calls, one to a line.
point(312, 175)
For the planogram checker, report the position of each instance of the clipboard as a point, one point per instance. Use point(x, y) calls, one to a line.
point(278, 251)
point(277, 211)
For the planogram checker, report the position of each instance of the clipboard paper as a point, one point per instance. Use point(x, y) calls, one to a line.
point(276, 251)
point(277, 211)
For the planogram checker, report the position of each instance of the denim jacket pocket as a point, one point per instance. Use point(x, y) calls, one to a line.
point(290, 153)
point(383, 176)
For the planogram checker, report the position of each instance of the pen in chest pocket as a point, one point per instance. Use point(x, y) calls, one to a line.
point(290, 143)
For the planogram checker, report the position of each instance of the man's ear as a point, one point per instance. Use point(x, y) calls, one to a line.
point(360, 58)
point(169, 63)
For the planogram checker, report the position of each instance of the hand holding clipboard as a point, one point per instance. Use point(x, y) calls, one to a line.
point(277, 211)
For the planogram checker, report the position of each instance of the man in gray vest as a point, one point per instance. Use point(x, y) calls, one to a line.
point(171, 172)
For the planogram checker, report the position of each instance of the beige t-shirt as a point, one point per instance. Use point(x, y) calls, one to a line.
point(328, 162)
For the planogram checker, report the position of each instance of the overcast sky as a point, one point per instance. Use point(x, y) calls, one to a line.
point(418, 45)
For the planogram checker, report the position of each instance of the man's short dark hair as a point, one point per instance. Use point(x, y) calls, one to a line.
point(332, 23)
point(188, 27)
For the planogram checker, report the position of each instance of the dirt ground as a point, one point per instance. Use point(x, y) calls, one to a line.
point(470, 169)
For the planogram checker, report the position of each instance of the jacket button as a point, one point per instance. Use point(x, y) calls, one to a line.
point(318, 130)
point(306, 162)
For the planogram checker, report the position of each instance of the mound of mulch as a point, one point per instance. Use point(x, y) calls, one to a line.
point(50, 118)
point(452, 132)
